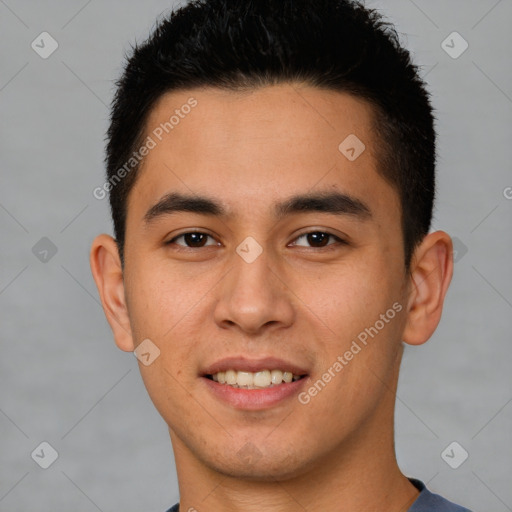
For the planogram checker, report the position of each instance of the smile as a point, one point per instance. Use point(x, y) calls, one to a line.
point(254, 380)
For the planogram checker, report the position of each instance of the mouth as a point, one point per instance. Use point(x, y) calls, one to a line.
point(253, 384)
point(254, 380)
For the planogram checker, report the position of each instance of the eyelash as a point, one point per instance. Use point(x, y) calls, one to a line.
point(339, 240)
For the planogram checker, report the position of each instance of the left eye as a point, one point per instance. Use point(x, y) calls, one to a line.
point(317, 239)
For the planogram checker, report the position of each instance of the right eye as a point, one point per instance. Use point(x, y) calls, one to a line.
point(192, 240)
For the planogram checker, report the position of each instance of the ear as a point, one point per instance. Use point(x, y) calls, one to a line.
point(431, 273)
point(108, 275)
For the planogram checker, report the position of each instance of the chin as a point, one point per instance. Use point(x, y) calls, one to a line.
point(250, 464)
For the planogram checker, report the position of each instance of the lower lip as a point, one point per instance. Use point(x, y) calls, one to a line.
point(254, 399)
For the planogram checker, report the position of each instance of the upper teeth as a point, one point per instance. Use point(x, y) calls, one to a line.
point(253, 380)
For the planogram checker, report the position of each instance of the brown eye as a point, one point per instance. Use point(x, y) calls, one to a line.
point(317, 239)
point(193, 240)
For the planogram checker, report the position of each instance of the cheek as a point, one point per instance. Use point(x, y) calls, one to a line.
point(358, 309)
point(159, 299)
point(164, 310)
point(165, 306)
point(349, 295)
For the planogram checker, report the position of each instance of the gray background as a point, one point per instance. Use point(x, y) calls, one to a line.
point(62, 378)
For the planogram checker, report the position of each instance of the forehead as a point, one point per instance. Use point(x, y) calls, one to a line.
point(253, 148)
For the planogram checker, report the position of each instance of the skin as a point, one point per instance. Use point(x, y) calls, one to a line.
point(298, 300)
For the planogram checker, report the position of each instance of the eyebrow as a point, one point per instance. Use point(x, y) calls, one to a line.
point(326, 202)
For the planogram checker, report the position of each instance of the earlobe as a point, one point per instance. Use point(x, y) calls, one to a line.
point(108, 276)
point(431, 273)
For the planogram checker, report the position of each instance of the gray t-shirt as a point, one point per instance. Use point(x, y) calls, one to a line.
point(425, 502)
point(430, 502)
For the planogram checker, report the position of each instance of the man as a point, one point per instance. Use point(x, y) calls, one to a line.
point(271, 167)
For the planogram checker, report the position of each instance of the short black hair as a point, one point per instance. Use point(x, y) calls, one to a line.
point(236, 45)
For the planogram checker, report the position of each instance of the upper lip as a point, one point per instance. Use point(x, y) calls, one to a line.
point(253, 365)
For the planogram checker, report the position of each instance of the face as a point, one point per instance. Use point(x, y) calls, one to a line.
point(254, 243)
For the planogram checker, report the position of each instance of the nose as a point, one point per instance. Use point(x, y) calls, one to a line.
point(254, 297)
